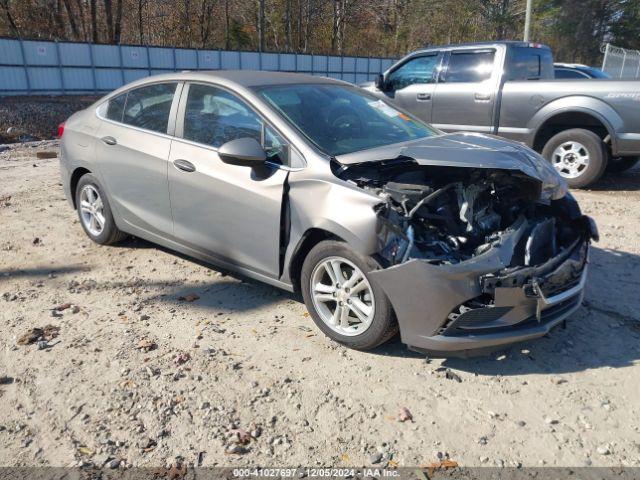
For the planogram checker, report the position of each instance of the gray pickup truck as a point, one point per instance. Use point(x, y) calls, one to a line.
point(508, 89)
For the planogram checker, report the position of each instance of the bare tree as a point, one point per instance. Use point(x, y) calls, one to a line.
point(261, 7)
point(94, 21)
point(12, 23)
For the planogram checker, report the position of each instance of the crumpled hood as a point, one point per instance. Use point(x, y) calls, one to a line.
point(469, 150)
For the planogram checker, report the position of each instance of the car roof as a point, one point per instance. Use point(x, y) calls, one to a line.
point(242, 78)
point(577, 66)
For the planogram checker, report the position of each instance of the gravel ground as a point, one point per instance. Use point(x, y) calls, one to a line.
point(157, 358)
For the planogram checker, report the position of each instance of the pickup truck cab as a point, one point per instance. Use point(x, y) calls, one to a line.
point(508, 89)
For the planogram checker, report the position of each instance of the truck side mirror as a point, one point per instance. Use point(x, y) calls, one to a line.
point(380, 83)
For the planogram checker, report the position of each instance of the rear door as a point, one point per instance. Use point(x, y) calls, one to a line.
point(133, 150)
point(411, 85)
point(226, 211)
point(464, 97)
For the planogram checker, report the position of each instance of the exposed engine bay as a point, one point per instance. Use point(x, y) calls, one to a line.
point(447, 215)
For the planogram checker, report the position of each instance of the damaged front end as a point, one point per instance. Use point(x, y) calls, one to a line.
point(474, 257)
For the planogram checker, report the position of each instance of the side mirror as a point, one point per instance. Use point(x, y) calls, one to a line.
point(380, 83)
point(242, 151)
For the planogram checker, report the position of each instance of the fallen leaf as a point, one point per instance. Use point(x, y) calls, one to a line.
point(85, 451)
point(61, 307)
point(443, 465)
point(146, 345)
point(305, 314)
point(392, 464)
point(191, 297)
point(404, 415)
point(345, 458)
point(243, 436)
point(452, 376)
point(181, 358)
point(49, 332)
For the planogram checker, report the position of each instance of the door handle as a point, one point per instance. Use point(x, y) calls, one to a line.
point(184, 165)
point(423, 96)
point(482, 97)
point(109, 140)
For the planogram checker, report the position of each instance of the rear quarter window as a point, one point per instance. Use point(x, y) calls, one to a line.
point(528, 63)
point(115, 108)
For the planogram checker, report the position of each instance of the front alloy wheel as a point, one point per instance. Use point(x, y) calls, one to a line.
point(342, 301)
point(342, 296)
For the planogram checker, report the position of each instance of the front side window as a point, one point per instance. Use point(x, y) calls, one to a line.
point(149, 107)
point(469, 67)
point(340, 119)
point(214, 116)
point(416, 70)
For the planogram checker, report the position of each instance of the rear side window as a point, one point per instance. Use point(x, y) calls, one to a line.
point(115, 108)
point(469, 67)
point(149, 107)
point(527, 63)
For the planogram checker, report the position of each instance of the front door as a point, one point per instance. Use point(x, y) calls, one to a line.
point(133, 150)
point(226, 211)
point(464, 97)
point(411, 85)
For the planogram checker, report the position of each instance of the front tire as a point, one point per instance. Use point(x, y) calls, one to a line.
point(341, 299)
point(94, 212)
point(578, 155)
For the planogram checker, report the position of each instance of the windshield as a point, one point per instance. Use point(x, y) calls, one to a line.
point(341, 119)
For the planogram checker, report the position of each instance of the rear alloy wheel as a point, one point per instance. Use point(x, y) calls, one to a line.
point(341, 299)
point(578, 155)
point(621, 164)
point(95, 213)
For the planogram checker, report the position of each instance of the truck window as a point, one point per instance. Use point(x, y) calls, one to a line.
point(469, 66)
point(528, 63)
point(416, 70)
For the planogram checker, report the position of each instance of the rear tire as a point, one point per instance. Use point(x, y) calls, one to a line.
point(368, 319)
point(94, 212)
point(621, 164)
point(578, 155)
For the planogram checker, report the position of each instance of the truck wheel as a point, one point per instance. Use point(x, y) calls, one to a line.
point(621, 164)
point(343, 303)
point(578, 155)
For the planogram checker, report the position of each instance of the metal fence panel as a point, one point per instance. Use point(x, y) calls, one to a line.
point(75, 54)
point(186, 59)
point(161, 58)
point(30, 66)
point(105, 56)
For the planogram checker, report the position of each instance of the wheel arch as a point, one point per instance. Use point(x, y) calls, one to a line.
point(77, 174)
point(575, 111)
point(309, 239)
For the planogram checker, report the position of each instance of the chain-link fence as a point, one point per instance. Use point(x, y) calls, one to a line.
point(620, 62)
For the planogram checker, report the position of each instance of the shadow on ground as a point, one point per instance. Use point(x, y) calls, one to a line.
point(628, 181)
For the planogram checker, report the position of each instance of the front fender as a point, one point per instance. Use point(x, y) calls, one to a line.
point(340, 209)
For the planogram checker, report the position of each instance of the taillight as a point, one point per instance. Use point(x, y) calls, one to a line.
point(60, 130)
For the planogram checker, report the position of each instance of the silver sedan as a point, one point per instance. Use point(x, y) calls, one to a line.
point(461, 241)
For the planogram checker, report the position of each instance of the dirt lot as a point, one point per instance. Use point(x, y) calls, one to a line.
point(158, 357)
